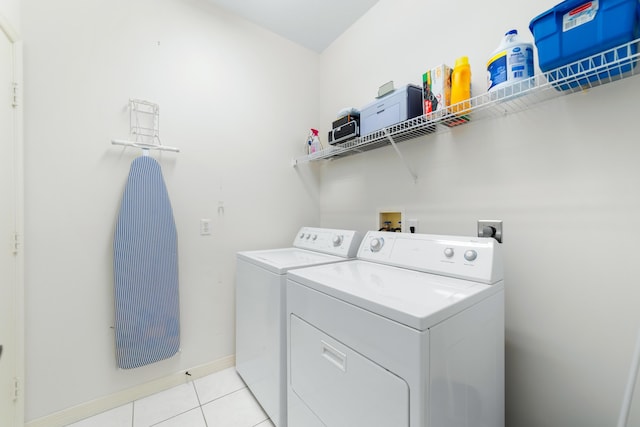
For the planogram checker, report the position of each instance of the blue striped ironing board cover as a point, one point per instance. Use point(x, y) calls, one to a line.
point(147, 320)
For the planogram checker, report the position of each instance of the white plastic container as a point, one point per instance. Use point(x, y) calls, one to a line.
point(510, 63)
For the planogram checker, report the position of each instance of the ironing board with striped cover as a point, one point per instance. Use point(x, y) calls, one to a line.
point(147, 320)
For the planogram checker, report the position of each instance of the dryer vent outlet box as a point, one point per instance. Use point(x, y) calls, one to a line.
point(390, 220)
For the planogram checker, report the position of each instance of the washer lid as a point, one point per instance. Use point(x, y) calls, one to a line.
point(416, 299)
point(279, 261)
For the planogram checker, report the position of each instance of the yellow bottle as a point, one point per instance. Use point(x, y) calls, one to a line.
point(461, 86)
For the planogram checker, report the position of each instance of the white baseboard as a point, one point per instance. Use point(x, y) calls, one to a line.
point(94, 407)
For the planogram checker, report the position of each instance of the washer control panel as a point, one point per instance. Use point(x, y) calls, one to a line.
point(338, 242)
point(472, 258)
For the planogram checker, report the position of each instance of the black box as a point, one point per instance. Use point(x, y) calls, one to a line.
point(346, 132)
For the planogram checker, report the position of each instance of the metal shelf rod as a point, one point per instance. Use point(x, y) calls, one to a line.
point(144, 145)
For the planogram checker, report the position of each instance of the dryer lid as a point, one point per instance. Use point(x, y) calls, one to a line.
point(416, 299)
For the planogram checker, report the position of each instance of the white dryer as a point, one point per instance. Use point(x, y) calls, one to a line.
point(260, 309)
point(409, 334)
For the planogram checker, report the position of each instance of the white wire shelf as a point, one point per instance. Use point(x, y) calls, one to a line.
point(607, 66)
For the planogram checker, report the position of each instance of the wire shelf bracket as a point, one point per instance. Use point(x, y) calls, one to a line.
point(144, 128)
point(399, 153)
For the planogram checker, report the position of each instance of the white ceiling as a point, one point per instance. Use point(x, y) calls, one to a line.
point(312, 23)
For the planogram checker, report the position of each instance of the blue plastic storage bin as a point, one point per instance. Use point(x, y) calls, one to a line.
point(577, 29)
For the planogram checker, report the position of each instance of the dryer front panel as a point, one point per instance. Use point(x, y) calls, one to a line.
point(339, 385)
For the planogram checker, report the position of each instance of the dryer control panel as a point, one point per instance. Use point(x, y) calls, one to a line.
point(342, 243)
point(471, 258)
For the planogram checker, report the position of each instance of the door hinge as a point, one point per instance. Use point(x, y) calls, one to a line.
point(15, 243)
point(14, 95)
point(16, 389)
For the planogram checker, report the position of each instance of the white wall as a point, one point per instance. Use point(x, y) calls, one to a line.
point(10, 11)
point(562, 176)
point(235, 98)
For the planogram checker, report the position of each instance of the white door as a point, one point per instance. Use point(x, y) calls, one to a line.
point(8, 259)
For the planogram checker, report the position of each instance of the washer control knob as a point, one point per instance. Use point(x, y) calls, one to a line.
point(337, 240)
point(470, 255)
point(315, 237)
point(376, 244)
point(307, 236)
point(448, 252)
point(301, 235)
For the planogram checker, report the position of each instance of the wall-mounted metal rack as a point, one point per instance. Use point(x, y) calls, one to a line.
point(144, 127)
point(607, 66)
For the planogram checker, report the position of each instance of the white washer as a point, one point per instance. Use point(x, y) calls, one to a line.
point(260, 309)
point(409, 334)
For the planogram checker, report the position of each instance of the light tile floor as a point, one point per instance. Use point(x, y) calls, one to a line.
point(219, 400)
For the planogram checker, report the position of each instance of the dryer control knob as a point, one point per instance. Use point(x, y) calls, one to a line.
point(301, 235)
point(315, 236)
point(337, 240)
point(448, 252)
point(307, 236)
point(470, 255)
point(376, 244)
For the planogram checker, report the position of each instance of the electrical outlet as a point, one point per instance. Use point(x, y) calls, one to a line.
point(412, 223)
point(205, 227)
point(490, 228)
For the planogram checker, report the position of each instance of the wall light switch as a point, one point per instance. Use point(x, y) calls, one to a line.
point(205, 227)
